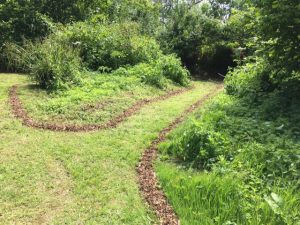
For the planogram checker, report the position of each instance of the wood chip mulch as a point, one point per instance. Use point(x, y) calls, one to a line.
point(20, 113)
point(149, 185)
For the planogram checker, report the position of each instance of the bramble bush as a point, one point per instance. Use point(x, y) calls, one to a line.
point(250, 80)
point(171, 67)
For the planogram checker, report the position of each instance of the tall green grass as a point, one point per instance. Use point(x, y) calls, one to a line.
point(214, 199)
point(201, 198)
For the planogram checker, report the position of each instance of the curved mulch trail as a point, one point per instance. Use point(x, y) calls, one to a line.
point(20, 113)
point(148, 182)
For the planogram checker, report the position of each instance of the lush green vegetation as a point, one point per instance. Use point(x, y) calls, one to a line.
point(104, 36)
point(65, 58)
point(250, 158)
point(237, 161)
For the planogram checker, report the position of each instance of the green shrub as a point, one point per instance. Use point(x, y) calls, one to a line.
point(152, 76)
point(197, 146)
point(144, 49)
point(117, 48)
point(171, 67)
point(56, 66)
point(110, 46)
point(53, 66)
point(158, 72)
point(249, 80)
point(146, 72)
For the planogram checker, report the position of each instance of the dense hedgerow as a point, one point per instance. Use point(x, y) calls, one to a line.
point(110, 46)
point(58, 61)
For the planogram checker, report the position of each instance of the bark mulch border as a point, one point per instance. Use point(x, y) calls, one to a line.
point(149, 185)
point(20, 113)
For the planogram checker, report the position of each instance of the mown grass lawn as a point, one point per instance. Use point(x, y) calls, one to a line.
point(78, 178)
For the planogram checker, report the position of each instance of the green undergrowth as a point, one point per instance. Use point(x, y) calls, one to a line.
point(235, 162)
point(100, 98)
point(200, 198)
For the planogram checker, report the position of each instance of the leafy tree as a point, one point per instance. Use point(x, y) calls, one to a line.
point(35, 19)
point(144, 12)
point(197, 37)
point(274, 38)
point(277, 26)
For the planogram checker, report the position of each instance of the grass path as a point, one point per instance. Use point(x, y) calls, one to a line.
point(79, 178)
